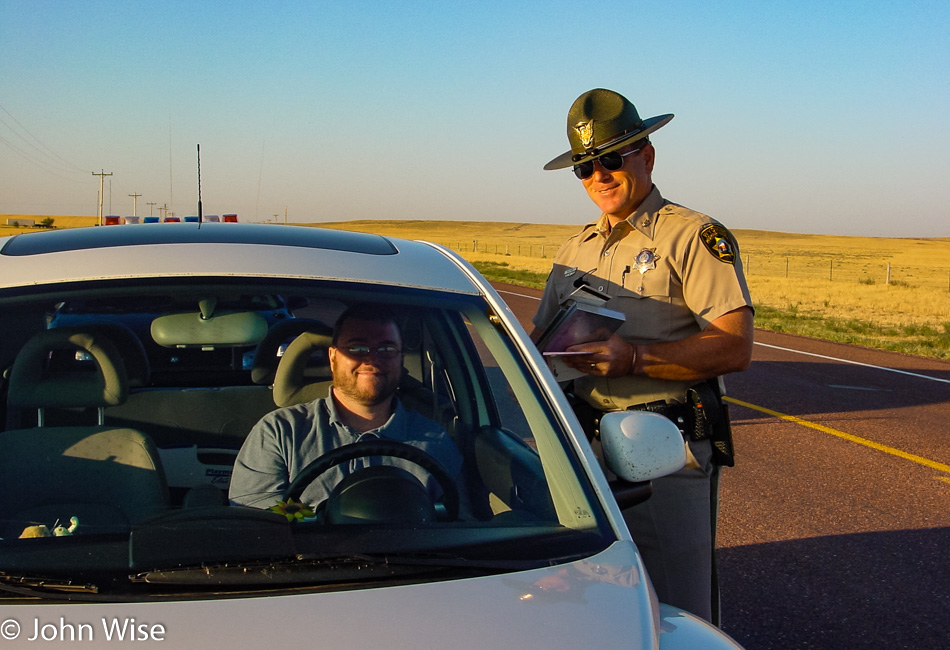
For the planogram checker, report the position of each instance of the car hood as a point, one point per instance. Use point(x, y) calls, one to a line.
point(604, 601)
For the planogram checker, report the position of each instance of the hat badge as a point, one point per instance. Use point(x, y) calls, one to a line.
point(585, 131)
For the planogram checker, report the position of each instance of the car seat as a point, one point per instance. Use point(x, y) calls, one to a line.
point(107, 477)
point(266, 358)
point(303, 373)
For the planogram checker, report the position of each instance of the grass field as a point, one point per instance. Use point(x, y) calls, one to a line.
point(888, 293)
point(58, 222)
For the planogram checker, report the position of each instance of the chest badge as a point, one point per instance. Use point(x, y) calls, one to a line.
point(646, 260)
point(569, 272)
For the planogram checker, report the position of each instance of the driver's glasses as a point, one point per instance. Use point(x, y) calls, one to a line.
point(365, 352)
point(611, 161)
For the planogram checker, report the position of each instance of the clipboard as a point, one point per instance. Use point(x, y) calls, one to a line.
point(576, 321)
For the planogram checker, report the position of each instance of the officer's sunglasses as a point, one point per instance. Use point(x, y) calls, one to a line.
point(611, 161)
point(362, 352)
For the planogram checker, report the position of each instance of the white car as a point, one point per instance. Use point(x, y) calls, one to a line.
point(116, 456)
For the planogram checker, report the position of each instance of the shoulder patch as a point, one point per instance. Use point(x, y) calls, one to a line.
point(718, 240)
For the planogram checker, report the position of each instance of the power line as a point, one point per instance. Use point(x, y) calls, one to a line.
point(40, 163)
point(37, 144)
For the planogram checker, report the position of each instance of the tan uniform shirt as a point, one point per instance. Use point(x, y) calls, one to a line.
point(670, 270)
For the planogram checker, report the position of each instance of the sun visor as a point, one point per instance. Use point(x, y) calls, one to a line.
point(226, 329)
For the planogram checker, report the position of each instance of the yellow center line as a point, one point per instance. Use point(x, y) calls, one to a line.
point(846, 436)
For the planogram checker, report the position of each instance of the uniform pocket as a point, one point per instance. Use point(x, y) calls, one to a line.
point(647, 302)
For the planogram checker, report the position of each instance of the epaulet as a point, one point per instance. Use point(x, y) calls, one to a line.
point(681, 211)
point(585, 230)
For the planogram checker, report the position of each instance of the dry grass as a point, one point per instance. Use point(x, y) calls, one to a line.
point(58, 222)
point(818, 285)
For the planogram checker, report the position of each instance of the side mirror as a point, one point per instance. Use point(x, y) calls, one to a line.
point(641, 446)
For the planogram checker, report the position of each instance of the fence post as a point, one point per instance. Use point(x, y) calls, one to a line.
point(831, 269)
point(887, 280)
point(786, 267)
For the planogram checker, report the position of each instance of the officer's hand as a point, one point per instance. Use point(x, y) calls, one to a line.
point(611, 358)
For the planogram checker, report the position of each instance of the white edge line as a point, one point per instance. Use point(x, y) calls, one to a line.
point(856, 363)
point(520, 295)
point(810, 354)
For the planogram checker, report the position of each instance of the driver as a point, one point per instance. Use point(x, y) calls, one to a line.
point(366, 364)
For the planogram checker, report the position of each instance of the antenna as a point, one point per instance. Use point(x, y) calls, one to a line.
point(199, 185)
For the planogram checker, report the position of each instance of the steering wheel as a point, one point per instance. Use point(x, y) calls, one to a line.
point(389, 448)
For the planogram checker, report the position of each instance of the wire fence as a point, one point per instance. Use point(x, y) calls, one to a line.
point(836, 269)
point(860, 270)
point(507, 248)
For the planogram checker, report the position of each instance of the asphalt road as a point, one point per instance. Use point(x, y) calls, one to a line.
point(834, 527)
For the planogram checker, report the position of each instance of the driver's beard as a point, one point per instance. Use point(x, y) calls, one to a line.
point(365, 393)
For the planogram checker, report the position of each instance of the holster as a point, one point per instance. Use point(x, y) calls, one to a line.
point(711, 420)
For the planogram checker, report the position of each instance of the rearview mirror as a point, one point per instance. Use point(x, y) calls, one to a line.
point(234, 329)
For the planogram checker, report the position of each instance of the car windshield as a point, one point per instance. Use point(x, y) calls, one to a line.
point(115, 481)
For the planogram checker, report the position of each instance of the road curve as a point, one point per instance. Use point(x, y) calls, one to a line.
point(834, 527)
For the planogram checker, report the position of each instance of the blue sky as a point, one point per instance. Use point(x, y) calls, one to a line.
point(813, 117)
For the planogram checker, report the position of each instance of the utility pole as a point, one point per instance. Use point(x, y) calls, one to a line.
point(135, 199)
point(101, 174)
point(285, 215)
point(164, 211)
point(150, 204)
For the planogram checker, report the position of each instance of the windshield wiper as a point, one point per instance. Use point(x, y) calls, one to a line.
point(43, 587)
point(453, 560)
point(327, 569)
point(296, 570)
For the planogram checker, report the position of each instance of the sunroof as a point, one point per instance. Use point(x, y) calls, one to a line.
point(189, 233)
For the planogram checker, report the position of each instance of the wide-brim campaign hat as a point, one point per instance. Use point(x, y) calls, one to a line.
point(601, 121)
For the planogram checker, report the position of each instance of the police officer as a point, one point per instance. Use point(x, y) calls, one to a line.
point(676, 274)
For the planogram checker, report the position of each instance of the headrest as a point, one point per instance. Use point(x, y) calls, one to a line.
point(265, 356)
point(292, 383)
point(33, 386)
point(130, 349)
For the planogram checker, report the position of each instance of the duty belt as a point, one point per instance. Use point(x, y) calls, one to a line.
point(703, 416)
point(683, 416)
point(695, 418)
